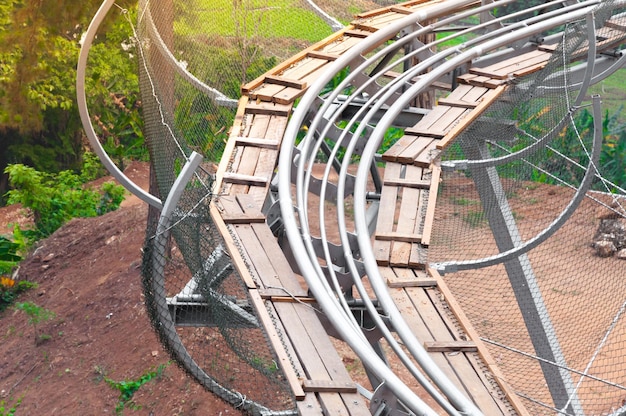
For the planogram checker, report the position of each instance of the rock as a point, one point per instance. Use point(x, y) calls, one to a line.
point(48, 257)
point(621, 254)
point(604, 248)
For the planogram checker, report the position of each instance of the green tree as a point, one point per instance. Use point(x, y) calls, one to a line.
point(39, 47)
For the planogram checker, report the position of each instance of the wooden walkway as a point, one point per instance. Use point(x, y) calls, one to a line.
point(400, 240)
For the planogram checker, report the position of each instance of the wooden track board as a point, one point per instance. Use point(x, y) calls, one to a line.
point(409, 199)
point(380, 21)
point(503, 69)
point(467, 374)
point(318, 357)
point(389, 194)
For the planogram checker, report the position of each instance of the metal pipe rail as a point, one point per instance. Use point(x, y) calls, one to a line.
point(395, 96)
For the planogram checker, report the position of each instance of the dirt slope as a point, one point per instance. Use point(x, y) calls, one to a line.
point(88, 274)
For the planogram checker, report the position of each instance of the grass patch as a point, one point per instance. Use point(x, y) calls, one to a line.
point(275, 18)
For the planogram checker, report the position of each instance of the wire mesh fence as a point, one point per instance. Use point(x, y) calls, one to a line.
point(553, 317)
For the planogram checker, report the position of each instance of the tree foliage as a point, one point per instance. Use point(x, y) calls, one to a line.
point(39, 47)
point(53, 199)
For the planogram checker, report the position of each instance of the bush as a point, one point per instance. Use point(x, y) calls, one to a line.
point(56, 198)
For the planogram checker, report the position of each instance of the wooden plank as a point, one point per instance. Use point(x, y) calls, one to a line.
point(233, 213)
point(450, 346)
point(289, 95)
point(231, 247)
point(401, 9)
point(305, 67)
point(388, 197)
point(416, 278)
point(425, 158)
point(262, 107)
point(479, 80)
point(461, 90)
point(283, 276)
point(481, 393)
point(432, 203)
point(418, 258)
point(379, 21)
point(466, 78)
point(245, 159)
point(318, 357)
point(475, 94)
point(466, 373)
point(382, 252)
point(266, 92)
point(329, 386)
point(392, 154)
point(407, 218)
point(257, 142)
point(456, 103)
point(285, 82)
point(503, 69)
point(408, 183)
point(428, 120)
point(243, 218)
point(277, 344)
point(410, 153)
point(242, 179)
point(283, 66)
point(471, 116)
point(400, 254)
point(229, 150)
point(412, 313)
point(322, 55)
point(472, 334)
point(351, 39)
point(406, 237)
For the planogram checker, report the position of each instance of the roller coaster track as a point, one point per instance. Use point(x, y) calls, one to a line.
point(291, 201)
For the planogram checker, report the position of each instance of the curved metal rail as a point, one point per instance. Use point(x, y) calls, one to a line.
point(393, 97)
point(369, 87)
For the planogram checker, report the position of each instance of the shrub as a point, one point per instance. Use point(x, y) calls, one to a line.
point(56, 198)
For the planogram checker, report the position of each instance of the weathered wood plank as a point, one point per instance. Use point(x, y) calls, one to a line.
point(328, 386)
point(410, 153)
point(318, 357)
point(285, 82)
point(400, 253)
point(231, 247)
point(484, 353)
point(425, 158)
point(485, 102)
point(283, 276)
point(429, 218)
point(275, 341)
point(502, 69)
point(243, 179)
point(266, 92)
point(269, 108)
point(446, 331)
point(323, 55)
point(408, 183)
point(389, 194)
point(257, 142)
point(392, 154)
point(419, 256)
point(466, 373)
point(431, 207)
point(415, 278)
point(450, 346)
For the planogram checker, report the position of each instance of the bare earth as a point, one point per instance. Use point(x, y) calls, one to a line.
point(88, 274)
